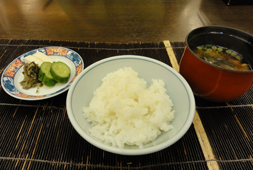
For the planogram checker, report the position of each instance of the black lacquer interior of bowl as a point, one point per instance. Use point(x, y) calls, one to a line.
point(230, 38)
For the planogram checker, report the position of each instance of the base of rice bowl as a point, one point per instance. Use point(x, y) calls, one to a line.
point(180, 102)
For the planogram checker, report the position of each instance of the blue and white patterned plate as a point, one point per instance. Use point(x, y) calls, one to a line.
point(12, 75)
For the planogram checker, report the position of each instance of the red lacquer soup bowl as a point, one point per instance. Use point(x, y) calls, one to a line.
point(211, 82)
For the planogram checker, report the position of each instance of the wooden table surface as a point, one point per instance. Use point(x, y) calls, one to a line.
point(116, 21)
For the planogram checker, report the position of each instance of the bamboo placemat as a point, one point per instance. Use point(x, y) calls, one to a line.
point(38, 134)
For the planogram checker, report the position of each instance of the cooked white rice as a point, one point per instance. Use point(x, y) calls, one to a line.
point(125, 111)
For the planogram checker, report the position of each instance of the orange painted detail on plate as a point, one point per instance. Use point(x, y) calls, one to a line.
point(27, 96)
point(10, 70)
point(61, 51)
point(78, 71)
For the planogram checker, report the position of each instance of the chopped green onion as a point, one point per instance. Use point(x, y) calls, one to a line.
point(209, 50)
point(199, 47)
point(228, 51)
point(238, 57)
point(233, 54)
point(220, 49)
point(214, 47)
point(219, 52)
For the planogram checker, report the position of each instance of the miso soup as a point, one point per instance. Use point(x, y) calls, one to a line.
point(222, 57)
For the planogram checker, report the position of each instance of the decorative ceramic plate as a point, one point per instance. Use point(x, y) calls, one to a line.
point(12, 75)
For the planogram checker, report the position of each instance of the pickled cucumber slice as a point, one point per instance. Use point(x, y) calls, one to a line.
point(60, 72)
point(45, 75)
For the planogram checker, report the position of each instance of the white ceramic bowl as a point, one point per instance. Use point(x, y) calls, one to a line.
point(81, 93)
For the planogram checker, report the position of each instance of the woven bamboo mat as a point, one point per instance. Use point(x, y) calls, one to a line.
point(38, 134)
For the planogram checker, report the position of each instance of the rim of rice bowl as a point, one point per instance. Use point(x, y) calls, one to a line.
point(135, 150)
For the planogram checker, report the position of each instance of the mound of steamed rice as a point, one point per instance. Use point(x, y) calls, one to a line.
point(124, 111)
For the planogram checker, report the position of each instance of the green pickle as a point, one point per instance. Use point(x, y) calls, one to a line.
point(45, 75)
point(60, 72)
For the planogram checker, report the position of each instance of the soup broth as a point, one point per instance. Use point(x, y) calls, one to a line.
point(222, 57)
